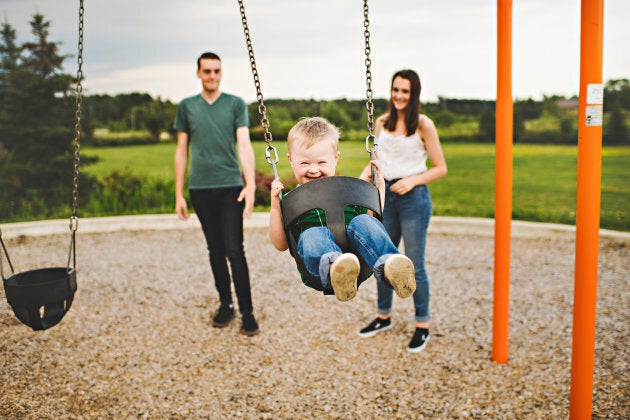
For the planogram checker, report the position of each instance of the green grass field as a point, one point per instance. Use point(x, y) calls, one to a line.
point(544, 178)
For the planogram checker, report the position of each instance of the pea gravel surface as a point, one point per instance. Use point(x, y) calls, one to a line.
point(138, 341)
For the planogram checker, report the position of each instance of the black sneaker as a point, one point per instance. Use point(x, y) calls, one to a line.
point(419, 340)
point(250, 326)
point(223, 315)
point(376, 327)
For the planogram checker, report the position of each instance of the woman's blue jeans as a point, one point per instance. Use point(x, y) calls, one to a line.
point(367, 237)
point(407, 216)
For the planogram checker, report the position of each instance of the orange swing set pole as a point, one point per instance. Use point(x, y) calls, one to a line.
point(589, 171)
point(503, 183)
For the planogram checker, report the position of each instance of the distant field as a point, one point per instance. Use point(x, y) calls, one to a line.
point(154, 161)
point(544, 177)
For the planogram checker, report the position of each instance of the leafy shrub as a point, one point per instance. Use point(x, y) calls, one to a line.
point(263, 188)
point(123, 192)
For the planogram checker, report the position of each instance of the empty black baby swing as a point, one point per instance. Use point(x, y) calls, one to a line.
point(330, 194)
point(40, 298)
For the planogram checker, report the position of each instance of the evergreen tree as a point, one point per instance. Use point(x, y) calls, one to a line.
point(36, 122)
point(9, 54)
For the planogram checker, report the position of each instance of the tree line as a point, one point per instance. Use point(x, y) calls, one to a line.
point(37, 108)
point(552, 120)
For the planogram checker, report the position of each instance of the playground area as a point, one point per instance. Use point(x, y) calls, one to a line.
point(138, 343)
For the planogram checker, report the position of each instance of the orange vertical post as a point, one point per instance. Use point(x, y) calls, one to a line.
point(503, 183)
point(589, 171)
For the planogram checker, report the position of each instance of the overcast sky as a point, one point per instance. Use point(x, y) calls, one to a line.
point(314, 49)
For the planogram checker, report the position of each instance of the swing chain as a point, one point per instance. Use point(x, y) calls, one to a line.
point(368, 73)
point(77, 126)
point(370, 140)
point(74, 221)
point(6, 254)
point(262, 109)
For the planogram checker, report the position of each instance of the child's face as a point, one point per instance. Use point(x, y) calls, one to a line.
point(317, 161)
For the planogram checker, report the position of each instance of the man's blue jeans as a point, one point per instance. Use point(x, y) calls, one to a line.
point(408, 216)
point(221, 217)
point(367, 237)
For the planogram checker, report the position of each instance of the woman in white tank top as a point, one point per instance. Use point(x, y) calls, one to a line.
point(406, 140)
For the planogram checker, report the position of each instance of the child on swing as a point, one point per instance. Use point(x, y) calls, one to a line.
point(313, 145)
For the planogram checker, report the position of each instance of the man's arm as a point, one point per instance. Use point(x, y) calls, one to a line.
point(246, 157)
point(181, 162)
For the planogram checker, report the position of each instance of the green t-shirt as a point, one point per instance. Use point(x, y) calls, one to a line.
point(211, 132)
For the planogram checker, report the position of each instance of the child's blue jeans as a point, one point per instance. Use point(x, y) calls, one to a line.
point(367, 237)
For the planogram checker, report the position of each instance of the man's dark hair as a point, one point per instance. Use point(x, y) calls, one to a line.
point(206, 55)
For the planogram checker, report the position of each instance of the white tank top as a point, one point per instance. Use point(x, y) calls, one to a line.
point(401, 156)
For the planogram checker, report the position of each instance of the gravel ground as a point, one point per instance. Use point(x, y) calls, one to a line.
point(137, 342)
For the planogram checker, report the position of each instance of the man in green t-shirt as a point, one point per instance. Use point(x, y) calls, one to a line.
point(213, 125)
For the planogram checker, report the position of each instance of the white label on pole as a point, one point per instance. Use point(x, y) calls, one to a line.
point(595, 94)
point(594, 115)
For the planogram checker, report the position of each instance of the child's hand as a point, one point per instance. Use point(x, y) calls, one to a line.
point(276, 188)
point(376, 165)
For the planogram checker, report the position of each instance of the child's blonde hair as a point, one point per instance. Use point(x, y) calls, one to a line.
point(311, 130)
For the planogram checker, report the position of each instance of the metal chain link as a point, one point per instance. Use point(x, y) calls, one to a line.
point(370, 140)
point(77, 125)
point(262, 110)
point(368, 73)
point(6, 254)
point(74, 221)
